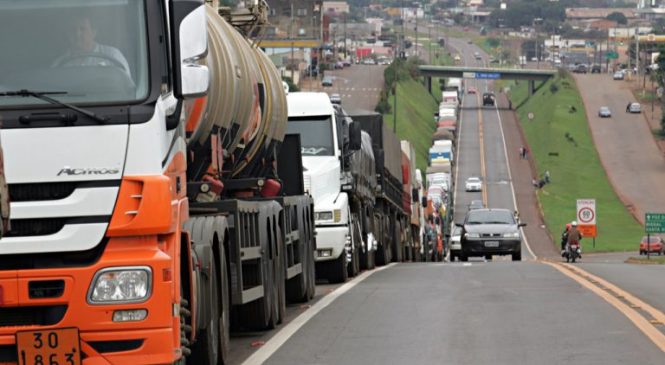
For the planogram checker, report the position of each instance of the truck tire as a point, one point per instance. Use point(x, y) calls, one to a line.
point(337, 270)
point(382, 255)
point(279, 264)
point(353, 267)
point(397, 247)
point(205, 350)
point(517, 256)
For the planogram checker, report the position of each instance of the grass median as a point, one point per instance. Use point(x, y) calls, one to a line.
point(560, 142)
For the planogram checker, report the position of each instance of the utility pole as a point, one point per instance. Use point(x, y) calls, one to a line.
point(637, 53)
point(429, 35)
point(291, 63)
point(416, 14)
point(346, 53)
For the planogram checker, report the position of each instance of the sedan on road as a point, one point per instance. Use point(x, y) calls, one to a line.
point(471, 90)
point(634, 108)
point(604, 112)
point(327, 81)
point(473, 184)
point(488, 232)
point(653, 245)
point(335, 99)
point(618, 75)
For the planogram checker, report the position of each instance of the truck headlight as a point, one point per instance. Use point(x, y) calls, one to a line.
point(323, 216)
point(511, 235)
point(472, 235)
point(121, 285)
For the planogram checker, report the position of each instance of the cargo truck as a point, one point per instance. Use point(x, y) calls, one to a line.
point(339, 174)
point(152, 209)
point(412, 184)
point(391, 220)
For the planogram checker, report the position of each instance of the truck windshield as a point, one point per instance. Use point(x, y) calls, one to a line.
point(93, 51)
point(316, 135)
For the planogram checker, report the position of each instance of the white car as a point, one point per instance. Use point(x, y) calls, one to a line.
point(473, 184)
point(634, 108)
point(455, 242)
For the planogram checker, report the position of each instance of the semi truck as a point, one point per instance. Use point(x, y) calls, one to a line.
point(412, 183)
point(340, 175)
point(391, 220)
point(156, 200)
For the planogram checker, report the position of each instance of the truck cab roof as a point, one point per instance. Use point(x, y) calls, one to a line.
point(302, 104)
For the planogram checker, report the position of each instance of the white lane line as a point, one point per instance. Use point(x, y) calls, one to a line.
point(510, 177)
point(270, 347)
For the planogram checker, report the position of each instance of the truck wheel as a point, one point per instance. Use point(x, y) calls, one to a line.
point(338, 270)
point(279, 274)
point(206, 348)
point(452, 257)
point(517, 256)
point(463, 258)
point(382, 256)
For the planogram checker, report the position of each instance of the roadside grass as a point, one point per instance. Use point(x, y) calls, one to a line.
point(654, 260)
point(415, 122)
point(561, 143)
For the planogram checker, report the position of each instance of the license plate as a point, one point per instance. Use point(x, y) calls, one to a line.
point(59, 346)
point(491, 243)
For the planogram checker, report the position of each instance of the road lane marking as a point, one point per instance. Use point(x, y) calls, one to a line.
point(275, 342)
point(510, 178)
point(622, 294)
point(644, 325)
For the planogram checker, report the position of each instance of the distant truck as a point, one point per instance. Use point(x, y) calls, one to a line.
point(441, 149)
point(455, 84)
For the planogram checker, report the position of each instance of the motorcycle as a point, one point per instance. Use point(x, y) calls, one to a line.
point(573, 252)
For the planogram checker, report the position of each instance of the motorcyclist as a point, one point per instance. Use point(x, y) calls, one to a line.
point(574, 235)
point(564, 238)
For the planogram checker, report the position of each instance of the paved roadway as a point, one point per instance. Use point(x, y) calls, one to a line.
point(465, 313)
point(358, 85)
point(625, 144)
point(468, 313)
point(481, 136)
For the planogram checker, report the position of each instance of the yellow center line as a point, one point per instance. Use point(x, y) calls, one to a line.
point(600, 287)
point(483, 169)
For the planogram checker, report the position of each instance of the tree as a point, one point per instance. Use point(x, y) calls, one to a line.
point(493, 42)
point(617, 17)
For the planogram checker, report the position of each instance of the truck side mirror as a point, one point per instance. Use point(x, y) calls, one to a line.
point(355, 138)
point(423, 201)
point(190, 37)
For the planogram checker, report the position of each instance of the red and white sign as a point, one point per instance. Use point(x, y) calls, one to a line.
point(586, 217)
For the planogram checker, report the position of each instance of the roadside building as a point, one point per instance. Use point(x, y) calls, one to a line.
point(337, 7)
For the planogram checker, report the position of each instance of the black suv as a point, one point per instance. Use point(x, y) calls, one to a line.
point(580, 69)
point(487, 232)
point(488, 99)
point(595, 69)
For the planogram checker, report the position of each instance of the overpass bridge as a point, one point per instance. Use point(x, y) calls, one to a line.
point(486, 73)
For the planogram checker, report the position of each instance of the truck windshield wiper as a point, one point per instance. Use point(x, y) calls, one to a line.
point(42, 95)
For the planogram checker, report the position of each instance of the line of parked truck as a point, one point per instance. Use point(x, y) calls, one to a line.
point(439, 174)
point(364, 183)
point(158, 203)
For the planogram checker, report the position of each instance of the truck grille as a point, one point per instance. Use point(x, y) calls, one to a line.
point(32, 316)
point(53, 191)
point(47, 226)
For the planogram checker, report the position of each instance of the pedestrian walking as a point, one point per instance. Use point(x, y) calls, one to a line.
point(522, 152)
point(526, 153)
point(547, 176)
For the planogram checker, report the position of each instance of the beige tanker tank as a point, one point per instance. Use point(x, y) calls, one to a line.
point(245, 105)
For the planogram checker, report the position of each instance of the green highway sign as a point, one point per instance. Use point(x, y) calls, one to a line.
point(612, 55)
point(654, 223)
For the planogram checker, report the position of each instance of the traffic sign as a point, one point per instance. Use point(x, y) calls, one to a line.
point(488, 75)
point(469, 75)
point(654, 223)
point(611, 55)
point(586, 211)
point(586, 217)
